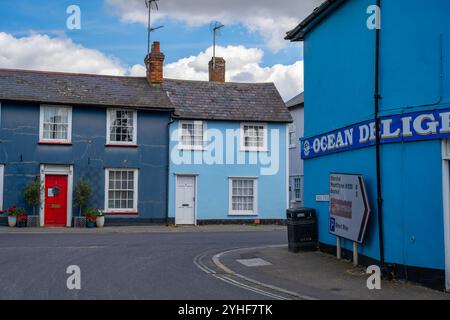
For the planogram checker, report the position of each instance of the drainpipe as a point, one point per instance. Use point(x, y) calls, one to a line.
point(378, 139)
point(172, 120)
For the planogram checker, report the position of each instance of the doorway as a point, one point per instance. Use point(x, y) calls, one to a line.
point(56, 196)
point(185, 200)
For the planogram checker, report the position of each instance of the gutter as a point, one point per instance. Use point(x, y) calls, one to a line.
point(315, 18)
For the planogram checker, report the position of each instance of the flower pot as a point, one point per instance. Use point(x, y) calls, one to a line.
point(91, 224)
point(12, 220)
point(100, 221)
point(22, 224)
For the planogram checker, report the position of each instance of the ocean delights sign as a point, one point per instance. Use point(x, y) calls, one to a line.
point(398, 128)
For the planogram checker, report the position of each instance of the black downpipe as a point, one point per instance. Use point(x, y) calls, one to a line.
point(378, 137)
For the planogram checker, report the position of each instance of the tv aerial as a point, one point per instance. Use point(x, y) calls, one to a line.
point(151, 5)
point(215, 29)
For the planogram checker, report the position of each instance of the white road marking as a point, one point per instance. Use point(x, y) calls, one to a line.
point(256, 262)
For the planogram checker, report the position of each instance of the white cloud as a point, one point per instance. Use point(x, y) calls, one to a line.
point(40, 52)
point(269, 18)
point(243, 65)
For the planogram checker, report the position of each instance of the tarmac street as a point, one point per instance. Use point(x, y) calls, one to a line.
point(187, 263)
point(123, 263)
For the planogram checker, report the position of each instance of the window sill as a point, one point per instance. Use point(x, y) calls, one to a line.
point(243, 214)
point(254, 150)
point(109, 145)
point(192, 149)
point(114, 213)
point(55, 143)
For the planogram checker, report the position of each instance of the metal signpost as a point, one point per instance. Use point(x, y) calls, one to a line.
point(349, 210)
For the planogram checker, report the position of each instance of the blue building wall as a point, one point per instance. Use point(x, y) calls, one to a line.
point(339, 90)
point(22, 155)
point(212, 180)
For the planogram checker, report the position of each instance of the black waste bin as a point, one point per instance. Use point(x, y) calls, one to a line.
point(302, 229)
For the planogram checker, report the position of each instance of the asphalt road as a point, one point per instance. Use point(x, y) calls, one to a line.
point(121, 266)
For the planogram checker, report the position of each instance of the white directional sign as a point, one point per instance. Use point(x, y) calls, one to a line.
point(349, 206)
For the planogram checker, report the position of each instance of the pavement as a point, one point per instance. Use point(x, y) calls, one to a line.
point(313, 275)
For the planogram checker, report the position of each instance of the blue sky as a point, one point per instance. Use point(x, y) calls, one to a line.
point(115, 28)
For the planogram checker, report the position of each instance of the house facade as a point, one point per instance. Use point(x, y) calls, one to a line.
point(116, 134)
point(296, 130)
point(228, 152)
point(357, 75)
point(110, 131)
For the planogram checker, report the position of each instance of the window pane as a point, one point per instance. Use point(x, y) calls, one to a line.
point(242, 195)
point(253, 136)
point(121, 189)
point(121, 126)
point(55, 124)
point(192, 134)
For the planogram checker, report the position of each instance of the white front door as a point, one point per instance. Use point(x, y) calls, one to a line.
point(185, 200)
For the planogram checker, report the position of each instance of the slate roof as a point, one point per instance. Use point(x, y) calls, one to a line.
point(311, 21)
point(81, 89)
point(203, 100)
point(296, 101)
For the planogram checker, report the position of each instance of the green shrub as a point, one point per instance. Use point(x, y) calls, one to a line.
point(32, 195)
point(82, 194)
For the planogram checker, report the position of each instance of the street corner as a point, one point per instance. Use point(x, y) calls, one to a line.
point(315, 275)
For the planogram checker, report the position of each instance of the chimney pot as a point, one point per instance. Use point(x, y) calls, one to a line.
point(155, 65)
point(217, 69)
point(156, 47)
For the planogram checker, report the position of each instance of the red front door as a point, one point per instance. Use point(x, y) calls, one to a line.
point(55, 201)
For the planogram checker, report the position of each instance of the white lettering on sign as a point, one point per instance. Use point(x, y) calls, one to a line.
point(334, 141)
point(397, 128)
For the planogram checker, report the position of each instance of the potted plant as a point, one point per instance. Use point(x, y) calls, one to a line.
point(82, 195)
point(32, 195)
point(21, 218)
point(100, 220)
point(12, 217)
point(91, 218)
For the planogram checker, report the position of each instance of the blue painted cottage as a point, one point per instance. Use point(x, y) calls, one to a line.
point(111, 131)
point(358, 76)
point(228, 147)
point(116, 133)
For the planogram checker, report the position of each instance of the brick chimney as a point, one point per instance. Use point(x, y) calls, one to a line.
point(154, 63)
point(217, 70)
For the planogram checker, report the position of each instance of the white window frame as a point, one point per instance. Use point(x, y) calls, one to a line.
point(242, 137)
point(41, 124)
point(2, 179)
point(300, 181)
point(232, 212)
point(135, 190)
point(108, 128)
point(292, 131)
point(182, 146)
